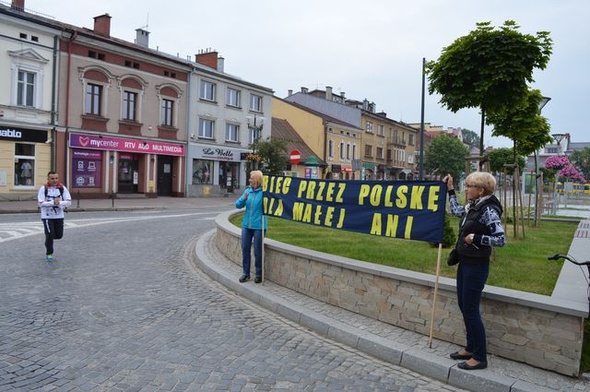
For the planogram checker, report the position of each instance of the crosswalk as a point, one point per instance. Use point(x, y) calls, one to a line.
point(16, 230)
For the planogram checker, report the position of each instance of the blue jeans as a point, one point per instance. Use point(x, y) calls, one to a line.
point(471, 279)
point(247, 236)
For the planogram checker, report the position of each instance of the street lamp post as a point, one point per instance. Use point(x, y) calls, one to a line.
point(255, 126)
point(538, 181)
point(558, 137)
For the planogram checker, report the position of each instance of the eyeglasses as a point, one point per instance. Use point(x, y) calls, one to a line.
point(472, 186)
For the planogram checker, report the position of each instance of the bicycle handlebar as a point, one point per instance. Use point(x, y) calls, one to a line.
point(568, 258)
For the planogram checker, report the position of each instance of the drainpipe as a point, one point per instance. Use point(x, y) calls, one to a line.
point(54, 90)
point(73, 36)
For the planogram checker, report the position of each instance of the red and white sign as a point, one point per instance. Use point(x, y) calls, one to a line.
point(295, 157)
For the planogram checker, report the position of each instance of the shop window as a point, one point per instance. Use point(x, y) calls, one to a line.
point(202, 172)
point(24, 164)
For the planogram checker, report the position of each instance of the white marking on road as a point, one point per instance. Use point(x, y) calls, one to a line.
point(16, 230)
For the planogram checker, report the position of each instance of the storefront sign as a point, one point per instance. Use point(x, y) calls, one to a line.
point(123, 144)
point(216, 153)
point(23, 135)
point(86, 168)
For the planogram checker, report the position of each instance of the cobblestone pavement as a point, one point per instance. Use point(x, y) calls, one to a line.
point(124, 309)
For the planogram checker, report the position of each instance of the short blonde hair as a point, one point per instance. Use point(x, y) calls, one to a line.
point(484, 180)
point(256, 175)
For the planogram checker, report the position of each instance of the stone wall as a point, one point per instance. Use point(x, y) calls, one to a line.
point(543, 331)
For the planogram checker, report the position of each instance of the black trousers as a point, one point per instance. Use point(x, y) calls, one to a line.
point(54, 230)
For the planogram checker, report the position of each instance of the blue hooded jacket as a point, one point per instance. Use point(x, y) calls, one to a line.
point(253, 217)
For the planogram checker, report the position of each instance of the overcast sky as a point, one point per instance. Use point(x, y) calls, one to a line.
point(369, 49)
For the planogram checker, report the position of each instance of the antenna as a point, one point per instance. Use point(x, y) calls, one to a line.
point(147, 23)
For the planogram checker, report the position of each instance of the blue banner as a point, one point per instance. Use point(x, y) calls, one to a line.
point(413, 210)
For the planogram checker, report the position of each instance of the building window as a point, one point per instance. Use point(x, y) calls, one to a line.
point(354, 151)
point(202, 172)
point(167, 112)
point(411, 139)
point(368, 150)
point(369, 127)
point(206, 128)
point(233, 98)
point(129, 106)
point(331, 148)
point(379, 152)
point(24, 164)
point(342, 150)
point(256, 103)
point(231, 132)
point(348, 151)
point(26, 88)
point(208, 90)
point(380, 129)
point(253, 135)
point(93, 99)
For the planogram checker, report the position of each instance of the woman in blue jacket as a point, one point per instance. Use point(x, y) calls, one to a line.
point(252, 225)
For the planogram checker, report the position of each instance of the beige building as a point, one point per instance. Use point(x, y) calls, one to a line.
point(380, 148)
point(335, 142)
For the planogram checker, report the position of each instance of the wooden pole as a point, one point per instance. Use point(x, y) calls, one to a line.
point(434, 295)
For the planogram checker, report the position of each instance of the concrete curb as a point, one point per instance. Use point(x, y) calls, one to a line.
point(431, 365)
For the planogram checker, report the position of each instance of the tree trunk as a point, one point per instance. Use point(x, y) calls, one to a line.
point(483, 117)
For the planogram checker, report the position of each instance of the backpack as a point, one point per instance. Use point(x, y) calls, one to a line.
point(61, 194)
point(61, 191)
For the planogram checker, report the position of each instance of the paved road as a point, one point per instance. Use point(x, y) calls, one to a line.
point(123, 309)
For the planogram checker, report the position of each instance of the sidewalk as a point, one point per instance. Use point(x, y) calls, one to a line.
point(387, 342)
point(123, 204)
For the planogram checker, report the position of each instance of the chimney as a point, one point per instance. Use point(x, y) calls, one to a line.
point(18, 5)
point(102, 25)
point(220, 63)
point(142, 38)
point(289, 92)
point(304, 90)
point(207, 57)
point(342, 95)
point(329, 93)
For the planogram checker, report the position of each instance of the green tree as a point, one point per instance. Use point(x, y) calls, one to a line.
point(523, 124)
point(470, 138)
point(273, 155)
point(488, 69)
point(499, 157)
point(581, 159)
point(444, 155)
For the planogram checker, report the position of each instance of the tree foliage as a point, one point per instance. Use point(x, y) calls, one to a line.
point(470, 138)
point(444, 155)
point(488, 68)
point(273, 155)
point(499, 157)
point(523, 124)
point(581, 159)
